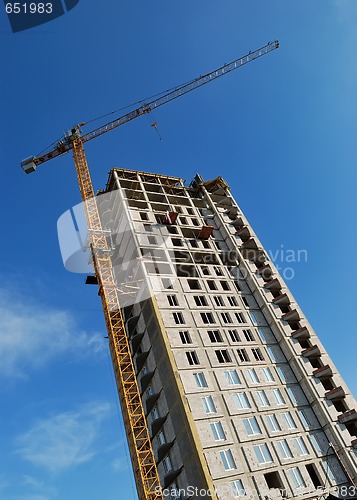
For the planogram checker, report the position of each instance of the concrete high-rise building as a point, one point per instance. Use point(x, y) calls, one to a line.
point(240, 395)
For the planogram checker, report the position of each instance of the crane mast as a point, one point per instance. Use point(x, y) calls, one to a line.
point(142, 455)
point(144, 465)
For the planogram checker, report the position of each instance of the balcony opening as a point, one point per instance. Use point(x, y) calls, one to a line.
point(274, 481)
point(328, 384)
point(304, 343)
point(352, 429)
point(311, 470)
point(340, 406)
point(194, 284)
point(316, 363)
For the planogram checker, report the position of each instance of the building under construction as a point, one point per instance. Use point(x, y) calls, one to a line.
point(239, 395)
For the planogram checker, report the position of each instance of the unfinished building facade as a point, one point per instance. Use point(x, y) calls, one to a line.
point(240, 396)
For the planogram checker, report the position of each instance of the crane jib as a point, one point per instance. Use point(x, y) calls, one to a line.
point(29, 165)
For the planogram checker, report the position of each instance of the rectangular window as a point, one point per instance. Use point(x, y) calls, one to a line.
point(283, 449)
point(245, 302)
point(194, 284)
point(207, 317)
point(177, 242)
point(172, 300)
point(242, 354)
point(178, 317)
point(300, 446)
point(215, 336)
point(249, 337)
point(223, 356)
point(267, 374)
point(263, 454)
point(148, 228)
point(296, 478)
point(234, 335)
point(212, 285)
point(161, 438)
point(200, 379)
point(251, 426)
point(144, 216)
point(218, 300)
point(277, 396)
point(200, 300)
point(174, 492)
point(240, 317)
point(281, 373)
point(166, 462)
point(152, 240)
point(304, 420)
point(208, 404)
point(185, 337)
point(292, 395)
point(226, 317)
point(252, 376)
point(271, 354)
point(262, 399)
point(194, 243)
point(288, 419)
point(237, 488)
point(218, 271)
point(155, 413)
point(224, 285)
point(205, 271)
point(227, 460)
point(217, 431)
point(257, 353)
point(236, 284)
point(232, 301)
point(261, 334)
point(315, 443)
point(192, 358)
point(241, 400)
point(328, 470)
point(272, 422)
point(253, 318)
point(232, 377)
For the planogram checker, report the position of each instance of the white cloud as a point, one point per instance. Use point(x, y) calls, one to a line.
point(64, 440)
point(31, 336)
point(120, 464)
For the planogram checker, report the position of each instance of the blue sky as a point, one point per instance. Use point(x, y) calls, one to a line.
point(282, 133)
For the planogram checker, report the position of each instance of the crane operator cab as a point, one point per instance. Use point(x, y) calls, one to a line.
point(72, 134)
point(28, 165)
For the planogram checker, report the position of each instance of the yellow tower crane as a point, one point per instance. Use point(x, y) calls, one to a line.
point(142, 456)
